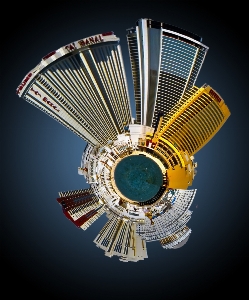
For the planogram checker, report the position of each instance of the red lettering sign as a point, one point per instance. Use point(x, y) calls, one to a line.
point(36, 92)
point(70, 47)
point(26, 79)
point(91, 40)
point(108, 33)
point(45, 99)
point(48, 55)
point(215, 95)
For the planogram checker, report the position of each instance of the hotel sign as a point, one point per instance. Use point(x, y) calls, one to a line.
point(213, 94)
point(91, 40)
point(45, 99)
point(24, 82)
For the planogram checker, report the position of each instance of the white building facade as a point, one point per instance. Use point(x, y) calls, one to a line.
point(83, 86)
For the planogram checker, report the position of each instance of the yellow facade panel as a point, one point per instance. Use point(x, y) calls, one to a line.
point(177, 178)
point(196, 118)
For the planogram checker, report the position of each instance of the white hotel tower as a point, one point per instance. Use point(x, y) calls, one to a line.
point(165, 62)
point(83, 86)
point(139, 169)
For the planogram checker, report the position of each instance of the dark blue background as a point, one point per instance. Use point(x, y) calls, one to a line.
point(42, 253)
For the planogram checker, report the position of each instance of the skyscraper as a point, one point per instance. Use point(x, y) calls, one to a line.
point(195, 119)
point(82, 207)
point(118, 237)
point(165, 62)
point(139, 169)
point(80, 83)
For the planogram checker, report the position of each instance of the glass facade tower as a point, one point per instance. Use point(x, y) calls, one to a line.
point(165, 62)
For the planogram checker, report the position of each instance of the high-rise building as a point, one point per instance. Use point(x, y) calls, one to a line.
point(80, 83)
point(165, 62)
point(195, 119)
point(118, 237)
point(82, 207)
point(139, 171)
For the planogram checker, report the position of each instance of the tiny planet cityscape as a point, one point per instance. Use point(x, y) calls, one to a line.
point(139, 169)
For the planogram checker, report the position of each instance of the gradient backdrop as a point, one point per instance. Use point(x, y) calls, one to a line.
point(43, 253)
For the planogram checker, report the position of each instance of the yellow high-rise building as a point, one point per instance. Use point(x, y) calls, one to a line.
point(194, 120)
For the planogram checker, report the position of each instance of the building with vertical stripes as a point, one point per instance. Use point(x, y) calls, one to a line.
point(118, 237)
point(194, 120)
point(165, 62)
point(82, 207)
point(176, 240)
point(139, 170)
point(83, 86)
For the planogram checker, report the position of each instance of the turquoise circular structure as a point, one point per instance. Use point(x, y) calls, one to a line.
point(138, 177)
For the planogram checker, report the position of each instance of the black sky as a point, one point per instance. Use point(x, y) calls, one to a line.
point(40, 248)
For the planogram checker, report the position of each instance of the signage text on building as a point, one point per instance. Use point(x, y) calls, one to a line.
point(70, 47)
point(45, 99)
point(91, 40)
point(24, 82)
point(215, 95)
